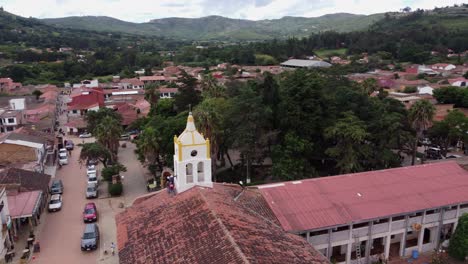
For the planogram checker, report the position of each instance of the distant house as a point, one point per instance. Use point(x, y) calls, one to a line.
point(90, 100)
point(10, 120)
point(425, 90)
point(132, 83)
point(158, 79)
point(165, 92)
point(7, 85)
point(443, 66)
point(16, 148)
point(307, 64)
point(460, 82)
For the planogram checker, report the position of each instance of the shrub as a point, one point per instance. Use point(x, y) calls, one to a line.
point(458, 247)
point(110, 171)
point(115, 189)
point(410, 89)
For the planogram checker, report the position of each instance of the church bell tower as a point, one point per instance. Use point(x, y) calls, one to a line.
point(192, 161)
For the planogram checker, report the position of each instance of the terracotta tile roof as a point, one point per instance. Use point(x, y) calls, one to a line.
point(27, 180)
point(86, 101)
point(132, 81)
point(344, 199)
point(152, 78)
point(205, 225)
point(23, 204)
point(28, 131)
point(128, 112)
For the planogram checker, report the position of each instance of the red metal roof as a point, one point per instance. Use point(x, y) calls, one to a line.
point(337, 200)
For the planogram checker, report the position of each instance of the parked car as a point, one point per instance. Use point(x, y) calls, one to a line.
point(453, 156)
point(125, 137)
point(433, 153)
point(55, 203)
point(90, 238)
point(134, 132)
point(91, 170)
point(63, 150)
point(92, 179)
point(92, 191)
point(91, 162)
point(90, 213)
point(56, 187)
point(69, 145)
point(63, 159)
point(85, 135)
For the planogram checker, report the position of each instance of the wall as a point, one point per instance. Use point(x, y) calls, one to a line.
point(10, 153)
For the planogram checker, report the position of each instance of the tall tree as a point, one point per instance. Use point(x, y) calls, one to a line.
point(94, 118)
point(90, 151)
point(108, 134)
point(459, 242)
point(420, 115)
point(350, 149)
point(152, 96)
point(187, 94)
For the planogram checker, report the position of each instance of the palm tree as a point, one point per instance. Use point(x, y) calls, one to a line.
point(108, 134)
point(420, 115)
point(209, 119)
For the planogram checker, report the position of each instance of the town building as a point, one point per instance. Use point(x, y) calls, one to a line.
point(377, 214)
point(6, 237)
point(307, 64)
point(25, 151)
point(205, 222)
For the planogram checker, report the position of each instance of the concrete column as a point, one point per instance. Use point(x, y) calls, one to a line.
point(456, 222)
point(439, 227)
point(329, 243)
point(403, 237)
point(387, 246)
point(308, 237)
point(369, 241)
point(421, 233)
point(349, 248)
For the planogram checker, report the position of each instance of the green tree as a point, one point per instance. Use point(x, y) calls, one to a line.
point(152, 96)
point(369, 86)
point(94, 151)
point(93, 118)
point(458, 247)
point(211, 88)
point(420, 115)
point(210, 120)
point(187, 95)
point(289, 159)
point(115, 169)
point(149, 147)
point(448, 131)
point(107, 133)
point(37, 93)
point(348, 135)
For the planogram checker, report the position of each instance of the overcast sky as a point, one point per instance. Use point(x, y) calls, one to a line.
point(144, 10)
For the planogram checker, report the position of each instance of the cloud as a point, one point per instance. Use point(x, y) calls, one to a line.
point(145, 10)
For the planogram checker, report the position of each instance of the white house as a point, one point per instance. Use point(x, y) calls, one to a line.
point(192, 162)
point(425, 90)
point(460, 82)
point(443, 67)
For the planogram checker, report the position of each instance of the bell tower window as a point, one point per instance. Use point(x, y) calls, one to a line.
point(201, 175)
point(189, 172)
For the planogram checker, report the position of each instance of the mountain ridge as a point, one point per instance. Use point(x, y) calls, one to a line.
point(221, 28)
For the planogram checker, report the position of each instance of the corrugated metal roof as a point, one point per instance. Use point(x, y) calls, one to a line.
point(337, 200)
point(305, 63)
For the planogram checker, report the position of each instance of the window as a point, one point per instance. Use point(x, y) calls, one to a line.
point(193, 153)
point(341, 228)
point(10, 128)
point(360, 225)
point(398, 218)
point(201, 175)
point(74, 111)
point(189, 172)
point(11, 120)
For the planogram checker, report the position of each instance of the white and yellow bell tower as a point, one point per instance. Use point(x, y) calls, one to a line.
point(192, 161)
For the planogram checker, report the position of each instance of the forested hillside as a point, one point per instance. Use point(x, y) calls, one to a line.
point(222, 28)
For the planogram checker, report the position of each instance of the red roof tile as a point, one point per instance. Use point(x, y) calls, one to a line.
point(337, 200)
point(204, 225)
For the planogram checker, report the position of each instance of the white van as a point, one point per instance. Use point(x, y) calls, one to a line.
point(63, 158)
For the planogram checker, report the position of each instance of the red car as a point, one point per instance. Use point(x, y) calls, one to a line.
point(90, 213)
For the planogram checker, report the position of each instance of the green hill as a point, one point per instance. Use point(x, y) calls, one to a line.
point(222, 28)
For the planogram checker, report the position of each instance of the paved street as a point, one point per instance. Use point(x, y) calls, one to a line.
point(60, 233)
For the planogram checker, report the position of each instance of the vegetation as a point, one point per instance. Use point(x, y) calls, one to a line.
point(449, 131)
point(104, 124)
point(421, 115)
point(310, 123)
point(459, 241)
point(115, 189)
point(452, 95)
point(94, 151)
point(108, 172)
point(221, 28)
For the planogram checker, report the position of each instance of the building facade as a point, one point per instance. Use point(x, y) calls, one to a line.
point(364, 217)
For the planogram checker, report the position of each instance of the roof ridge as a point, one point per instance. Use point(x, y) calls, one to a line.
point(224, 228)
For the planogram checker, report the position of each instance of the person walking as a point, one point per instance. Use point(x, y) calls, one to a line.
point(112, 248)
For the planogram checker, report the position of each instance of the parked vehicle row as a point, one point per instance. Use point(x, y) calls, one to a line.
point(91, 236)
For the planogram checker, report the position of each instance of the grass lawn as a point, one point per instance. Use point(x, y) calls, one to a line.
point(330, 52)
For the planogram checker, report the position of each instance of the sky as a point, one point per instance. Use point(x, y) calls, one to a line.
point(145, 10)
